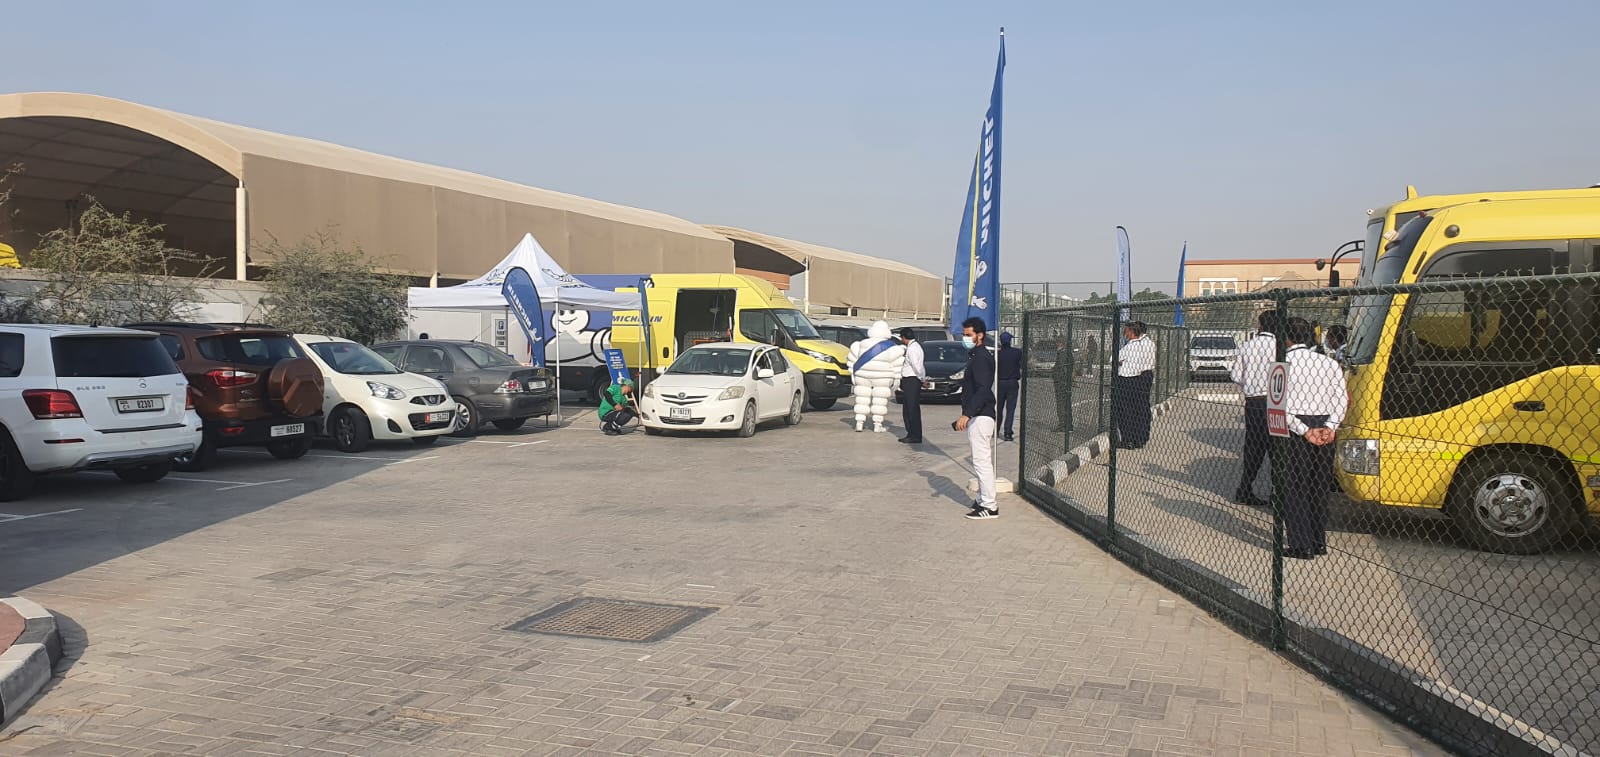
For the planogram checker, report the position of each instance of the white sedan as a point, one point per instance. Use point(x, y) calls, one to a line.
point(366, 398)
point(723, 386)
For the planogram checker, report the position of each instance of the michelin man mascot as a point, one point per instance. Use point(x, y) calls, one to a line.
point(875, 364)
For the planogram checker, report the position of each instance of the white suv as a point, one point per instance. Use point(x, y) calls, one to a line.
point(365, 397)
point(76, 398)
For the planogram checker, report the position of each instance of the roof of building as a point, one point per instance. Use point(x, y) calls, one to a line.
point(837, 278)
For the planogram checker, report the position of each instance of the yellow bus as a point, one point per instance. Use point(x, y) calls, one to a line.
point(1384, 223)
point(1483, 402)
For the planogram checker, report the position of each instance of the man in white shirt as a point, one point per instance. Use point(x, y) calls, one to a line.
point(1130, 389)
point(912, 376)
point(1316, 399)
point(1250, 370)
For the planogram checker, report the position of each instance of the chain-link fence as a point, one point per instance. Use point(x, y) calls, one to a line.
point(1425, 534)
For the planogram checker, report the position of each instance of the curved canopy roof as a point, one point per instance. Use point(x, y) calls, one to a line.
point(837, 278)
point(422, 218)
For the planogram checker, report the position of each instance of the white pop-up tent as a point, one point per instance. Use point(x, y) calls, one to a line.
point(557, 289)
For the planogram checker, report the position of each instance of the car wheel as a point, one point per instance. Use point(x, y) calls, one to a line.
point(144, 474)
point(424, 441)
point(510, 424)
point(748, 428)
point(350, 429)
point(1514, 504)
point(290, 449)
point(466, 418)
point(793, 417)
point(823, 403)
point(201, 458)
point(16, 481)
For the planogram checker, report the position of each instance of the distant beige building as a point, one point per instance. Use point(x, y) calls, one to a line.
point(1210, 277)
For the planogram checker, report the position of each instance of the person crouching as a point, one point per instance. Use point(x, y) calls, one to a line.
point(616, 407)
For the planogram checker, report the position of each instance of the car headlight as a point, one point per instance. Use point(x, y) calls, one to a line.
point(650, 391)
point(1359, 457)
point(384, 391)
point(731, 393)
point(958, 375)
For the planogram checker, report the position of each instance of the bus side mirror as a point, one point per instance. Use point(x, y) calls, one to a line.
point(1333, 279)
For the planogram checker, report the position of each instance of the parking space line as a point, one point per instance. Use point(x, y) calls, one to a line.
point(413, 460)
point(340, 456)
point(8, 517)
point(258, 483)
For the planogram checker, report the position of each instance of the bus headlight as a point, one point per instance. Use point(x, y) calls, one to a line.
point(1359, 457)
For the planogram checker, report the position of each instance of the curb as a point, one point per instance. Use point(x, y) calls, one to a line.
point(27, 665)
point(1055, 472)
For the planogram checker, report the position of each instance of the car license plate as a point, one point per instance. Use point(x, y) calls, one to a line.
point(291, 429)
point(440, 417)
point(680, 413)
point(538, 385)
point(141, 405)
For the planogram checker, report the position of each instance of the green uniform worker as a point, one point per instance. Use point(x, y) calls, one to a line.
point(615, 409)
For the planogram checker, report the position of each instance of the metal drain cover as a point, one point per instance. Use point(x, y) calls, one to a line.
point(612, 619)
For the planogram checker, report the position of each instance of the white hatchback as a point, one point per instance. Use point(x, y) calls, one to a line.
point(365, 397)
point(723, 386)
point(79, 398)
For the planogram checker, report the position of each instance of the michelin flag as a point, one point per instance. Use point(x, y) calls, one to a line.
point(975, 290)
point(523, 297)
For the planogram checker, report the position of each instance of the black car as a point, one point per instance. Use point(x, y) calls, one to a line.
point(489, 385)
point(945, 362)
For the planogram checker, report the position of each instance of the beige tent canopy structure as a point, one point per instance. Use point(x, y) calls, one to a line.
point(223, 189)
point(845, 282)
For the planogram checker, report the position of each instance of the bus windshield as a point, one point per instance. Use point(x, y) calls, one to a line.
point(1368, 311)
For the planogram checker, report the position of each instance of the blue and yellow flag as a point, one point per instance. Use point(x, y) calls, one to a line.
point(975, 290)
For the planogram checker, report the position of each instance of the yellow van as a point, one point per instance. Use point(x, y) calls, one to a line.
point(690, 308)
point(1384, 223)
point(1485, 401)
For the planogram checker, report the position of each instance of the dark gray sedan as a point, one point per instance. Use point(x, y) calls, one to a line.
point(489, 385)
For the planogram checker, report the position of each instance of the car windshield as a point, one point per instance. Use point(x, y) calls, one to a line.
point(796, 323)
point(1368, 311)
point(249, 349)
point(353, 359)
point(711, 361)
point(944, 353)
point(1213, 343)
point(488, 357)
point(111, 357)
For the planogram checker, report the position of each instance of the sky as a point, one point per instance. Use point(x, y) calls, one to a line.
point(1244, 128)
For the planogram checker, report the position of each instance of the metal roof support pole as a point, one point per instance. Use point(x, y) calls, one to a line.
point(241, 234)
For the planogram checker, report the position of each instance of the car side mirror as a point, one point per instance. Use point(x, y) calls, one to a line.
point(764, 373)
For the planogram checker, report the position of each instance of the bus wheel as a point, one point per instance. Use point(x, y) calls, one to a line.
point(598, 385)
point(1513, 504)
point(822, 403)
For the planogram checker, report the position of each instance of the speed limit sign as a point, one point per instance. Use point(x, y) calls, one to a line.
point(1277, 400)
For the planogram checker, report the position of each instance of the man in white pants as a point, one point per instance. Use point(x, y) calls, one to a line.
point(977, 415)
point(875, 366)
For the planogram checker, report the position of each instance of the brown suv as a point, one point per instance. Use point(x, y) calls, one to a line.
point(252, 385)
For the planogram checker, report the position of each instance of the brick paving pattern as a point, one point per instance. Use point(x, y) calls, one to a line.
point(857, 613)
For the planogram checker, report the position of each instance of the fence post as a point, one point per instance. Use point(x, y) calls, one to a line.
point(1279, 448)
point(1022, 403)
point(1072, 384)
point(1111, 479)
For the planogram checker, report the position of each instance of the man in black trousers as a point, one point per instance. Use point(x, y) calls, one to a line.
point(1130, 388)
point(1315, 401)
point(1010, 366)
point(1250, 369)
point(912, 377)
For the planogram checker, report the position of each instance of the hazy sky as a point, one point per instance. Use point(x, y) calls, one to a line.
point(1266, 129)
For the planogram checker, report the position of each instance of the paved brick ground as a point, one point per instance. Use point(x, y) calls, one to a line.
point(360, 607)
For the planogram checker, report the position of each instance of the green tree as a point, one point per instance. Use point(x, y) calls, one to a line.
point(112, 269)
point(320, 286)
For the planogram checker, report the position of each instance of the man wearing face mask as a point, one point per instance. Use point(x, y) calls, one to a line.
point(978, 415)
